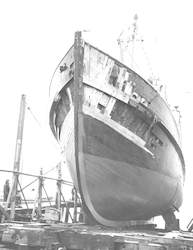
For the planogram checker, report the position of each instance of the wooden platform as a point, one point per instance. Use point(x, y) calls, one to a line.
point(80, 236)
point(24, 214)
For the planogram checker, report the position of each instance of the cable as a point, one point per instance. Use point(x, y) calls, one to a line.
point(38, 178)
point(40, 125)
point(147, 60)
point(33, 115)
point(135, 62)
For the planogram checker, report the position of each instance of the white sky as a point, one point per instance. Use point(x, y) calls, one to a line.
point(36, 34)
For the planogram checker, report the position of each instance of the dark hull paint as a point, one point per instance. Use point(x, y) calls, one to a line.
point(117, 175)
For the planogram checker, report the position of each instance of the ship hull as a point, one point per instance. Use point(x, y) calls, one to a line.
point(124, 156)
point(118, 178)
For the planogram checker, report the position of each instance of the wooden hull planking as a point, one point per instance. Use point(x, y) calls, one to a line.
point(121, 142)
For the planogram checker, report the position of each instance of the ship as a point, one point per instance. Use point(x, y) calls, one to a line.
point(119, 137)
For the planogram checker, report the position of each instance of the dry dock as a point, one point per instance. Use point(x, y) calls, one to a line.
point(79, 236)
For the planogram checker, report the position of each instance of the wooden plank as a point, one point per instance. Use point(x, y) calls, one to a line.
point(119, 128)
point(143, 88)
point(5, 213)
point(89, 238)
point(108, 89)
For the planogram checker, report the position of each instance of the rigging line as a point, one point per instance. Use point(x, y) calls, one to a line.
point(46, 195)
point(38, 178)
point(23, 195)
point(135, 62)
point(33, 115)
point(147, 60)
point(67, 208)
point(40, 125)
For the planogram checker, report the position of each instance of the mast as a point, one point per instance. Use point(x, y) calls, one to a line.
point(121, 46)
point(16, 168)
point(133, 39)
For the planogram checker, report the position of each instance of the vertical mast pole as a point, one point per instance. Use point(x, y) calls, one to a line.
point(133, 38)
point(17, 158)
point(120, 42)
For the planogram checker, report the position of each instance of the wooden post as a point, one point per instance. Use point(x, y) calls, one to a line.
point(75, 206)
point(78, 96)
point(13, 190)
point(40, 194)
point(38, 197)
point(59, 186)
point(67, 214)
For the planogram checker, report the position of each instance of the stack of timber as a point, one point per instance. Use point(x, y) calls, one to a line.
point(80, 236)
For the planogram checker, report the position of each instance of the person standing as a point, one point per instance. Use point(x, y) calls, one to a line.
point(6, 189)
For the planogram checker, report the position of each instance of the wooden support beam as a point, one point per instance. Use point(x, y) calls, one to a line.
point(18, 149)
point(108, 89)
point(38, 198)
point(40, 194)
point(59, 187)
point(5, 213)
point(75, 206)
point(32, 175)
